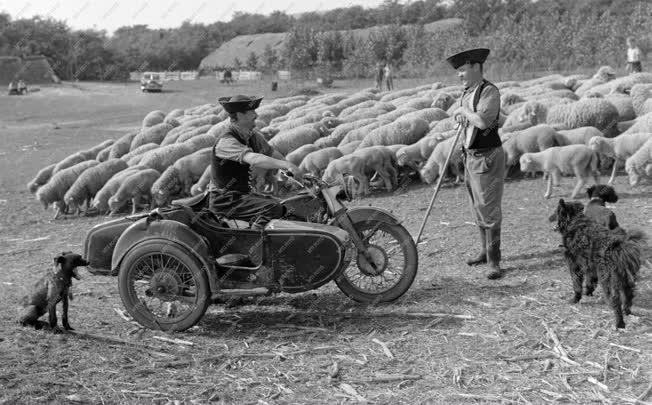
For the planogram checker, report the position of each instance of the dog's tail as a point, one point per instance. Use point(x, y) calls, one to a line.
point(626, 256)
point(637, 236)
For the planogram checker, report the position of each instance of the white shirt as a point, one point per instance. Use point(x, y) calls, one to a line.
point(633, 54)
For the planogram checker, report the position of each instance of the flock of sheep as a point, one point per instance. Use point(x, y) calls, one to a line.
point(555, 124)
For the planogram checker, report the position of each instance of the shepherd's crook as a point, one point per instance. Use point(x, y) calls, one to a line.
point(442, 171)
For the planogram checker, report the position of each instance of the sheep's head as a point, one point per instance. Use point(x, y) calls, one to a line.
point(32, 187)
point(534, 112)
point(526, 162)
point(429, 172)
point(570, 82)
point(41, 198)
point(401, 157)
point(443, 101)
point(592, 94)
point(115, 203)
point(70, 202)
point(605, 73)
point(597, 143)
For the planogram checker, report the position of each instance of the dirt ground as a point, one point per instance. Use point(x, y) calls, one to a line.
point(455, 337)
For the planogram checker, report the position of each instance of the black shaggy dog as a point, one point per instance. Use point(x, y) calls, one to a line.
point(599, 194)
point(591, 248)
point(49, 290)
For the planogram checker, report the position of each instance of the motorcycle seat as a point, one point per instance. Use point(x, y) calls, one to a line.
point(196, 203)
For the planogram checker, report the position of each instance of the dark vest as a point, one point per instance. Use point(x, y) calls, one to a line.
point(229, 175)
point(485, 138)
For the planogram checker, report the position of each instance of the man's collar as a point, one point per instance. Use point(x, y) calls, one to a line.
point(244, 134)
point(473, 87)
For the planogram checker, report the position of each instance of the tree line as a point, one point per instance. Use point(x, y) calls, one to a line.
point(543, 34)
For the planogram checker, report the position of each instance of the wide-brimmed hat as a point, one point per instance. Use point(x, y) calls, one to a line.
point(239, 103)
point(478, 55)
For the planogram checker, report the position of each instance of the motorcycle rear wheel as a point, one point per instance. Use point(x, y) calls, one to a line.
point(395, 254)
point(163, 286)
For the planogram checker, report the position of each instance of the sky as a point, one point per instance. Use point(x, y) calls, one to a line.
point(111, 14)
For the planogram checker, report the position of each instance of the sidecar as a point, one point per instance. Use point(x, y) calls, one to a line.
point(172, 263)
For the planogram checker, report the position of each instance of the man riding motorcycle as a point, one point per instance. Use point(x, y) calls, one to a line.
point(238, 151)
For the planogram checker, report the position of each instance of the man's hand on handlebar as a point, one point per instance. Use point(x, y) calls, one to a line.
point(294, 171)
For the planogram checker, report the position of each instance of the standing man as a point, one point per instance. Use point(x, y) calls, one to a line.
point(633, 56)
point(235, 153)
point(387, 72)
point(484, 163)
point(379, 76)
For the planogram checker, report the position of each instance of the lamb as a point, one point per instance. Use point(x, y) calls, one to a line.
point(429, 115)
point(174, 114)
point(165, 156)
point(91, 153)
point(361, 164)
point(624, 106)
point(287, 141)
point(139, 151)
point(620, 148)
point(154, 134)
point(335, 137)
point(603, 75)
point(359, 134)
point(434, 166)
point(527, 115)
point(443, 101)
point(122, 145)
point(642, 98)
point(203, 182)
point(637, 165)
point(405, 131)
point(90, 182)
point(201, 130)
point(200, 142)
point(295, 157)
point(41, 178)
point(133, 188)
point(317, 161)
point(69, 161)
point(641, 124)
point(349, 148)
point(416, 154)
point(101, 200)
point(103, 155)
point(153, 118)
point(577, 136)
point(572, 159)
point(54, 190)
point(179, 178)
point(533, 139)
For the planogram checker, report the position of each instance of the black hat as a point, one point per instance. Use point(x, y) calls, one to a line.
point(478, 55)
point(239, 103)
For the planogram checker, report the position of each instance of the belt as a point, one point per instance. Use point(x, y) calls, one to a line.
point(478, 151)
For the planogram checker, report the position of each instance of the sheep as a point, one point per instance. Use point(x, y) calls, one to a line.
point(416, 154)
point(296, 156)
point(572, 159)
point(122, 145)
point(623, 84)
point(203, 182)
point(394, 115)
point(91, 153)
point(174, 114)
point(103, 155)
point(603, 75)
point(641, 99)
point(349, 147)
point(69, 161)
point(641, 124)
point(138, 152)
point(404, 131)
point(443, 101)
point(200, 142)
point(577, 136)
point(55, 189)
point(179, 178)
point(533, 139)
point(41, 178)
point(165, 156)
point(317, 161)
point(359, 134)
point(201, 130)
point(365, 104)
point(594, 112)
point(444, 125)
point(211, 119)
point(287, 141)
point(624, 106)
point(133, 188)
point(434, 166)
point(335, 137)
point(528, 114)
point(429, 115)
point(90, 182)
point(418, 103)
point(361, 164)
point(154, 134)
point(371, 112)
point(153, 118)
point(101, 200)
point(620, 148)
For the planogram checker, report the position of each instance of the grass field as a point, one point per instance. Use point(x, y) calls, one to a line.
point(455, 337)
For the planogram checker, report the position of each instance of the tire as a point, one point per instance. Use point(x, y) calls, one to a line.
point(163, 286)
point(406, 258)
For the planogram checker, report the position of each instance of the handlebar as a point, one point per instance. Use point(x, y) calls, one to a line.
point(308, 179)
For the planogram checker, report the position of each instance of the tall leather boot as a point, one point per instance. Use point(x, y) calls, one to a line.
point(493, 254)
point(481, 258)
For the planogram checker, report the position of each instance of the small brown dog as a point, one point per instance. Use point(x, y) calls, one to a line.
point(48, 291)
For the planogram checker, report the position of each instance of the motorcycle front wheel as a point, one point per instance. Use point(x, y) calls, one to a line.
point(163, 286)
point(391, 270)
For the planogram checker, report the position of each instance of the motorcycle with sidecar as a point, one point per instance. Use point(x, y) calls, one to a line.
point(173, 262)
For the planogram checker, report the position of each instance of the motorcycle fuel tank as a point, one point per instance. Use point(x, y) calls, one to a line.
point(305, 255)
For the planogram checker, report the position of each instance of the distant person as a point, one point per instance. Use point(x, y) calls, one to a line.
point(22, 87)
point(228, 76)
point(13, 87)
point(380, 72)
point(633, 56)
point(387, 72)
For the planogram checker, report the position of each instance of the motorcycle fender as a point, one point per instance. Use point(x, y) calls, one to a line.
point(362, 214)
point(165, 230)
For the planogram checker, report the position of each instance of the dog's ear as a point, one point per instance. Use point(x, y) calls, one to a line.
point(590, 190)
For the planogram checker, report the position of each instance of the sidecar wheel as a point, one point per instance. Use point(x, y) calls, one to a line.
point(395, 264)
point(163, 286)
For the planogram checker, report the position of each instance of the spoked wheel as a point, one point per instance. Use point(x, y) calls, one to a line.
point(163, 286)
point(389, 268)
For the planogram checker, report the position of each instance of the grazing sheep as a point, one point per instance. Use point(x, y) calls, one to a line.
point(154, 134)
point(203, 182)
point(529, 114)
point(623, 104)
point(41, 178)
point(602, 76)
point(641, 99)
point(430, 114)
point(418, 103)
point(203, 120)
point(590, 112)
point(101, 200)
point(620, 148)
point(434, 166)
point(133, 188)
point(122, 145)
point(287, 141)
point(179, 178)
point(163, 157)
point(200, 142)
point(174, 114)
point(362, 165)
point(359, 134)
point(444, 125)
point(153, 118)
point(533, 139)
point(371, 112)
point(335, 137)
point(572, 159)
point(577, 136)
point(317, 161)
point(365, 104)
point(55, 189)
point(90, 182)
point(623, 84)
point(103, 155)
point(416, 154)
point(69, 161)
point(296, 156)
point(138, 152)
point(91, 153)
point(443, 101)
point(403, 131)
point(201, 130)
point(349, 148)
point(641, 124)
point(636, 165)
point(394, 115)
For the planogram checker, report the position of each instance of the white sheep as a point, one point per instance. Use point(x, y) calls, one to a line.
point(602, 76)
point(122, 145)
point(196, 131)
point(619, 148)
point(203, 182)
point(402, 131)
point(90, 182)
point(133, 188)
point(642, 98)
point(153, 118)
point(335, 137)
point(101, 199)
point(91, 153)
point(362, 165)
point(41, 178)
point(442, 100)
point(641, 124)
point(572, 159)
point(593, 112)
point(533, 139)
point(154, 134)
point(623, 104)
point(416, 154)
point(139, 151)
point(164, 156)
point(527, 115)
point(316, 162)
point(176, 113)
point(200, 142)
point(360, 133)
point(296, 156)
point(429, 114)
point(287, 141)
point(69, 161)
point(577, 136)
point(179, 178)
point(55, 189)
point(434, 166)
point(349, 148)
point(637, 165)
point(103, 155)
